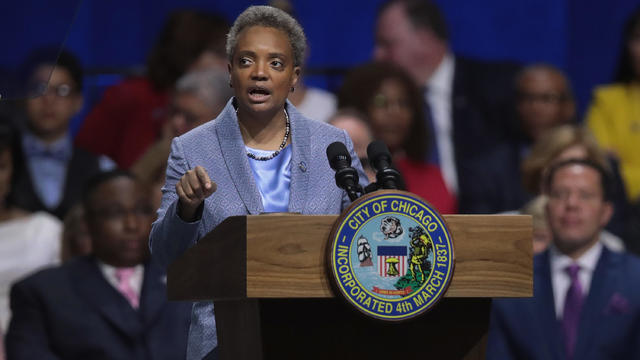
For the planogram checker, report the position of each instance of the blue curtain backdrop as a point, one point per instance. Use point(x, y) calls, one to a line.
point(580, 36)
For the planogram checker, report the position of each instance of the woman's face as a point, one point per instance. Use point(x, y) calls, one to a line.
point(262, 69)
point(6, 169)
point(634, 50)
point(390, 114)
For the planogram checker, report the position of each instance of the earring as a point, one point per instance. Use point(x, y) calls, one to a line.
point(230, 84)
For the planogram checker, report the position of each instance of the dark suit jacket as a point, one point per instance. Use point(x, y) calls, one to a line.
point(493, 182)
point(72, 312)
point(609, 324)
point(481, 111)
point(82, 167)
point(481, 105)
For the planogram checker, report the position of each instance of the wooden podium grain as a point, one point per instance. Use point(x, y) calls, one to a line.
point(267, 276)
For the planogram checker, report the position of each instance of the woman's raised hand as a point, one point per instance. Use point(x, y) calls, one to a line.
point(194, 186)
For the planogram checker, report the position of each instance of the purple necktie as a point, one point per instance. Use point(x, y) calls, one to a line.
point(572, 308)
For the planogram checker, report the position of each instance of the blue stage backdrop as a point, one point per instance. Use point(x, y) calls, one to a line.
point(580, 36)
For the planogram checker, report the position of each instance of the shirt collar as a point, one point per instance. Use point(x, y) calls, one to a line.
point(110, 271)
point(441, 81)
point(63, 147)
point(587, 261)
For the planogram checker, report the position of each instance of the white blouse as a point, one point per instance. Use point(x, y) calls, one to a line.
point(27, 244)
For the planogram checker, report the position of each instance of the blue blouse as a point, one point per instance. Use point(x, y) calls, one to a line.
point(273, 178)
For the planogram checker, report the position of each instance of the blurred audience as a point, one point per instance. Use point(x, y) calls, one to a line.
point(541, 233)
point(544, 101)
point(55, 171)
point(199, 96)
point(392, 103)
point(614, 114)
point(28, 241)
point(357, 126)
point(130, 115)
point(312, 102)
point(586, 302)
point(467, 101)
point(151, 169)
point(493, 181)
point(571, 142)
point(111, 305)
point(75, 235)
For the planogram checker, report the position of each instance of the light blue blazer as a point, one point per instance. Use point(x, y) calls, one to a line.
point(218, 147)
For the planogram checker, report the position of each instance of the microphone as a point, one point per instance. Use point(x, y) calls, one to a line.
point(380, 158)
point(346, 176)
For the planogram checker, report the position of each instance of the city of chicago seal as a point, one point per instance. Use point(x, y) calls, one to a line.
point(391, 255)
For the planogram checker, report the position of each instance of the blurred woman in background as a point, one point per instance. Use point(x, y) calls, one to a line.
point(394, 106)
point(28, 241)
point(614, 114)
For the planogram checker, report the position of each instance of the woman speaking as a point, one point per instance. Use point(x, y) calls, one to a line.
point(259, 155)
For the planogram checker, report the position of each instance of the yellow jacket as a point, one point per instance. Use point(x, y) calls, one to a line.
point(614, 119)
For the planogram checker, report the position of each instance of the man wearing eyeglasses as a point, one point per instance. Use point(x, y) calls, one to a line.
point(544, 101)
point(54, 170)
point(110, 305)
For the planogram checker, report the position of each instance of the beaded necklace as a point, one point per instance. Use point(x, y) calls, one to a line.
point(287, 130)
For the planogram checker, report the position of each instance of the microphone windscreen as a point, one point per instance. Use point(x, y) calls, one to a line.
point(376, 149)
point(338, 155)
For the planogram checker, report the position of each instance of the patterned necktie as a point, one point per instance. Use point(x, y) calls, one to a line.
point(434, 155)
point(123, 275)
point(572, 308)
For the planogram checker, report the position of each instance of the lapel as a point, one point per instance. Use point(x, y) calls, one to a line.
point(300, 160)
point(154, 293)
point(93, 288)
point(545, 312)
point(235, 158)
point(79, 170)
point(461, 114)
point(603, 284)
point(25, 189)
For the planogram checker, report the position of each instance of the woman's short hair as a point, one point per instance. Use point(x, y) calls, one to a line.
point(547, 149)
point(271, 17)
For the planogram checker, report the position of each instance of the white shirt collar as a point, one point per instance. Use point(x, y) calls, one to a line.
point(587, 261)
point(441, 81)
point(109, 273)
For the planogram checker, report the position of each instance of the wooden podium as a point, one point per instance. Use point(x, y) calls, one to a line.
point(267, 277)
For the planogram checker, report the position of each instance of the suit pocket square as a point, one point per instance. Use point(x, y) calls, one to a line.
point(618, 304)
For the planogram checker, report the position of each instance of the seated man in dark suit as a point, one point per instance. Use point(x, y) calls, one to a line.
point(466, 101)
point(586, 302)
point(55, 171)
point(111, 305)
